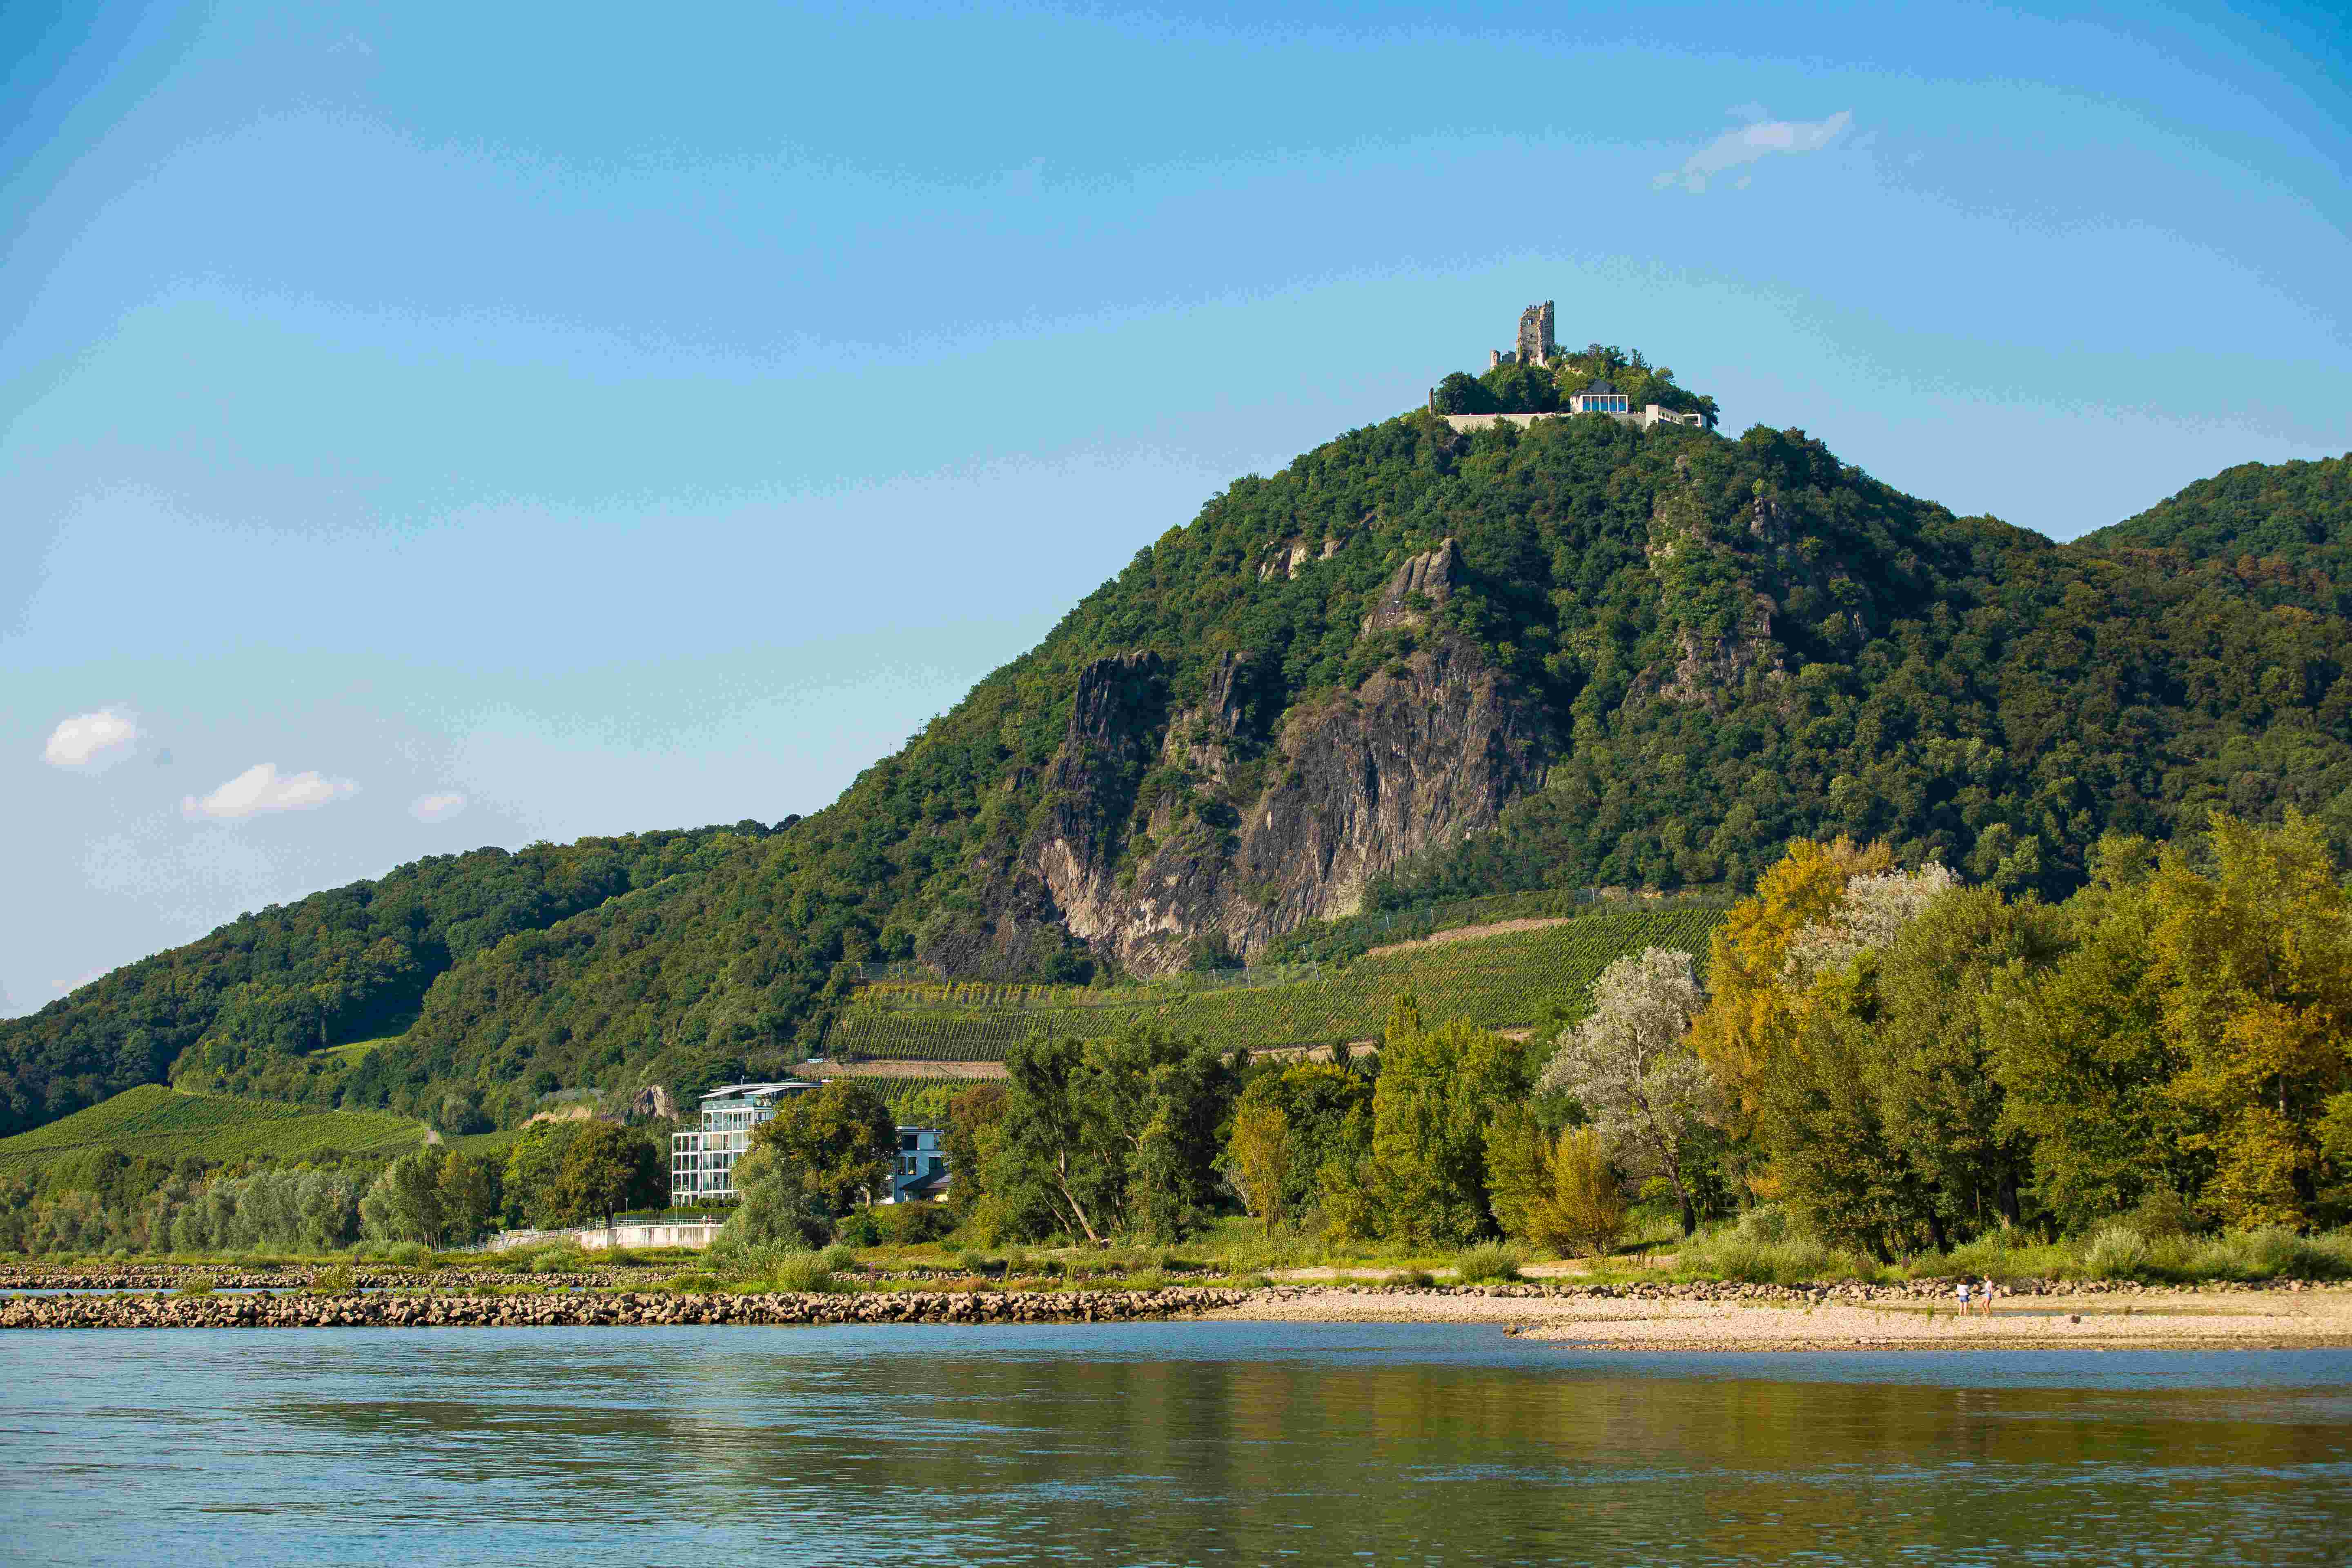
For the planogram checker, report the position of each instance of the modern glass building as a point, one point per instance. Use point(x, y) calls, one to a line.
point(702, 1162)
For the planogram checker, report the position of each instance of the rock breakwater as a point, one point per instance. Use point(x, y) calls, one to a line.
point(388, 1310)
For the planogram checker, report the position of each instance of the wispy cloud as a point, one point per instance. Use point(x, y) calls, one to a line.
point(92, 742)
point(436, 807)
point(260, 789)
point(1749, 143)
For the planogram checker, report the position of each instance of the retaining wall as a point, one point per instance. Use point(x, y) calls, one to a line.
point(604, 1237)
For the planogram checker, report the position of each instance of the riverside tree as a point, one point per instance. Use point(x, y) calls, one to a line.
point(1631, 1067)
point(839, 1139)
point(776, 1205)
point(1326, 1111)
point(2196, 1036)
point(975, 1121)
point(1257, 1156)
point(1434, 1105)
point(606, 1169)
point(1920, 1061)
point(1562, 1194)
point(1109, 1137)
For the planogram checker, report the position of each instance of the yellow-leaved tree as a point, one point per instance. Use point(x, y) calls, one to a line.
point(1752, 1014)
point(2253, 959)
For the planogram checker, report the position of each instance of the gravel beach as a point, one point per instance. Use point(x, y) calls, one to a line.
point(2145, 1319)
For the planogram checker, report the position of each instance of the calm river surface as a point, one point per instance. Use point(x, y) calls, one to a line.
point(1158, 1443)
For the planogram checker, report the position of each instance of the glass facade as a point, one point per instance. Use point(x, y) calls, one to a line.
point(702, 1162)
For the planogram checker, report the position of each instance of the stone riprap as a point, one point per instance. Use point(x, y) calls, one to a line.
point(632, 1309)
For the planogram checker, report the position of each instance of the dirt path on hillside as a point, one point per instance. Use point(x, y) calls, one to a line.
point(1355, 1047)
point(1470, 933)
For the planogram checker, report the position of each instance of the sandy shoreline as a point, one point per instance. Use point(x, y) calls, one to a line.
point(2313, 1319)
point(1642, 1316)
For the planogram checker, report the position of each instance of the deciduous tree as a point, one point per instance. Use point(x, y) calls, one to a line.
point(1631, 1067)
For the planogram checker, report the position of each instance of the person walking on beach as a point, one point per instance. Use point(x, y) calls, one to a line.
point(1984, 1295)
point(1962, 1290)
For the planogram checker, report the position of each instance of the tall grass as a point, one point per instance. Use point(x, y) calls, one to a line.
point(2274, 1254)
point(2139, 1247)
point(1765, 1247)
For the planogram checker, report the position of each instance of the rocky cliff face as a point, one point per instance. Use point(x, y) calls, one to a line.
point(1165, 830)
point(1724, 589)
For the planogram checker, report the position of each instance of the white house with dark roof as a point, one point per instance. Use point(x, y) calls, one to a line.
point(1601, 397)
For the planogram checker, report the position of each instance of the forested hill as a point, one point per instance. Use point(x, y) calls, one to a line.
point(1414, 662)
point(2298, 513)
point(257, 997)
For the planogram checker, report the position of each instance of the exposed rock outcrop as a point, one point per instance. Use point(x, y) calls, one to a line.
point(1420, 585)
point(1266, 832)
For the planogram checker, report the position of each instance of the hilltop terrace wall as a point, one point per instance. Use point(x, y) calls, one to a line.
point(1651, 415)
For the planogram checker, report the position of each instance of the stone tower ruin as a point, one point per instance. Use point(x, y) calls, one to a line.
point(1536, 345)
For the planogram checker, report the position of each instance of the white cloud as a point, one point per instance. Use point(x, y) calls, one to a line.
point(1750, 142)
point(259, 789)
point(92, 741)
point(436, 807)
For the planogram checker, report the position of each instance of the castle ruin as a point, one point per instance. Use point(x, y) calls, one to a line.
point(1536, 345)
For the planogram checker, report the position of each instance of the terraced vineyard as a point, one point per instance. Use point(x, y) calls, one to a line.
point(164, 1125)
point(1511, 980)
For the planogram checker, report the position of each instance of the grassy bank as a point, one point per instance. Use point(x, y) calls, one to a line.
point(1756, 1251)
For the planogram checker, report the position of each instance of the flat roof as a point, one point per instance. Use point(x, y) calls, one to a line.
point(758, 1088)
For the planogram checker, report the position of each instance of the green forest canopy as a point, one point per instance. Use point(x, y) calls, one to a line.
point(1964, 690)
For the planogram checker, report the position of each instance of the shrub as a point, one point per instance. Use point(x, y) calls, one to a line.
point(1419, 1278)
point(2002, 1254)
point(2273, 1253)
point(839, 1258)
point(971, 1263)
point(859, 1228)
point(2162, 1215)
point(805, 1272)
point(1741, 1252)
point(408, 1253)
point(2116, 1252)
point(695, 1281)
point(196, 1285)
point(333, 1281)
point(1494, 1260)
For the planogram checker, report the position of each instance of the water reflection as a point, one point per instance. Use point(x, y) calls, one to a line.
point(1155, 1444)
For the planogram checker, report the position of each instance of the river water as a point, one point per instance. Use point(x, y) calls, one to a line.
point(1150, 1444)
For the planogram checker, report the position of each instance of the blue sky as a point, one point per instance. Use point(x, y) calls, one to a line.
point(426, 425)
